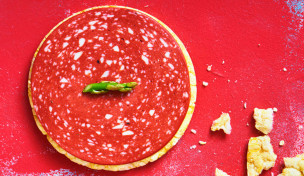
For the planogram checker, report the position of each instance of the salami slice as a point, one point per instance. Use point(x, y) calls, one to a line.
point(113, 131)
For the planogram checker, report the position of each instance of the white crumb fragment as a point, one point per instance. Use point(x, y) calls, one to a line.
point(275, 109)
point(223, 122)
point(247, 124)
point(219, 172)
point(223, 62)
point(193, 147)
point(202, 142)
point(205, 83)
point(245, 105)
point(193, 131)
point(293, 166)
point(209, 67)
point(282, 142)
point(263, 119)
point(284, 69)
point(260, 155)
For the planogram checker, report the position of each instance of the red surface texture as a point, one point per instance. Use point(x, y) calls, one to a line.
point(248, 44)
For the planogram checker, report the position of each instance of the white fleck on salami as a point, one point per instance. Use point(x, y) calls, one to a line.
point(110, 44)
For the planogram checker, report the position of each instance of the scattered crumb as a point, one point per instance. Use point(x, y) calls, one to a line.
point(245, 105)
point(247, 124)
point(202, 142)
point(282, 143)
point(300, 127)
point(223, 122)
point(228, 80)
point(193, 131)
point(260, 155)
point(219, 172)
point(146, 5)
point(223, 62)
point(284, 69)
point(209, 68)
point(259, 45)
point(193, 147)
point(235, 81)
point(205, 83)
point(199, 151)
point(263, 119)
point(275, 109)
point(293, 166)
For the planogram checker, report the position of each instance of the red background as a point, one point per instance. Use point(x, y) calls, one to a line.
point(255, 39)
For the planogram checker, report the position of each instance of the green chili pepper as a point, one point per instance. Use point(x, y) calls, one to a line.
point(105, 86)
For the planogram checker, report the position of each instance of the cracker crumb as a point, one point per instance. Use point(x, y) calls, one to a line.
point(275, 109)
point(284, 69)
point(209, 68)
point(193, 147)
point(223, 122)
point(202, 142)
point(263, 119)
point(293, 166)
point(193, 131)
point(205, 83)
point(247, 124)
point(259, 45)
point(223, 62)
point(282, 142)
point(260, 155)
point(219, 172)
point(228, 80)
point(245, 105)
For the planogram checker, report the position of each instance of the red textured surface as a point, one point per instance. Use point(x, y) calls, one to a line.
point(212, 32)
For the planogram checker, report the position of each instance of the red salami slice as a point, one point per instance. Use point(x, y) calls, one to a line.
point(111, 44)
